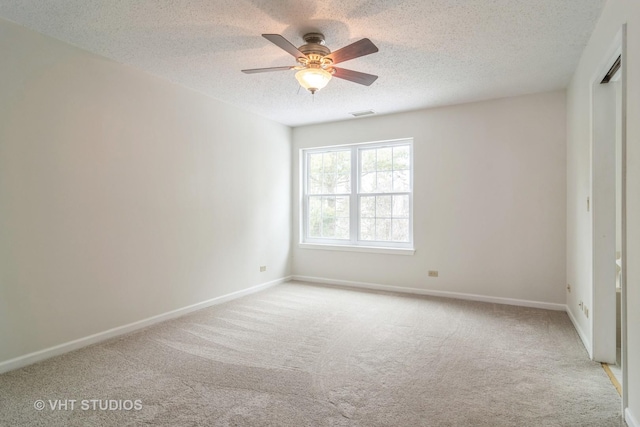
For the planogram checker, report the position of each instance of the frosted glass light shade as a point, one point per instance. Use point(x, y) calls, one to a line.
point(313, 79)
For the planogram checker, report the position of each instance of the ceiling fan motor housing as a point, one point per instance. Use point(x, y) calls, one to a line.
point(315, 45)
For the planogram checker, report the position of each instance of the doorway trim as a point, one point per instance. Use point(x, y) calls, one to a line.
point(603, 291)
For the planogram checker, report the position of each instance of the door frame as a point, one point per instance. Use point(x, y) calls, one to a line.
point(603, 229)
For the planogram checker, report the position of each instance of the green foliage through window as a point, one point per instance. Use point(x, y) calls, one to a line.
point(359, 194)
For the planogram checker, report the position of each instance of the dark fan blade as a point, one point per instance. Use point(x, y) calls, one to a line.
point(354, 50)
point(284, 44)
point(265, 70)
point(354, 76)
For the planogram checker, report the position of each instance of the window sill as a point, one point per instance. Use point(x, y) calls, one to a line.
point(348, 248)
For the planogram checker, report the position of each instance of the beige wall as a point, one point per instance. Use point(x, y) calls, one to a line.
point(615, 14)
point(489, 202)
point(123, 196)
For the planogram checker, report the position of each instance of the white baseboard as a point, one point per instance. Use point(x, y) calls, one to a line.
point(445, 294)
point(585, 339)
point(47, 353)
point(630, 419)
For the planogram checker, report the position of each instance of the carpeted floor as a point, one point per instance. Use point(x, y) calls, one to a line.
point(304, 355)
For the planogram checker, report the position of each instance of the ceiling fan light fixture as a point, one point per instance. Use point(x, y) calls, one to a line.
point(316, 61)
point(313, 79)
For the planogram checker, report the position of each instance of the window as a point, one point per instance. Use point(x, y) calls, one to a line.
point(358, 195)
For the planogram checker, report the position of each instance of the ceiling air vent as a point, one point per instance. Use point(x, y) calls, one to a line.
point(363, 113)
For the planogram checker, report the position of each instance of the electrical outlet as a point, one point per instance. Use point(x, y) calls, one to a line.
point(433, 273)
point(263, 268)
point(568, 288)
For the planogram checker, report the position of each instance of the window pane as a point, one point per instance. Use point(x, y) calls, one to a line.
point(344, 162)
point(383, 229)
point(342, 228)
point(384, 182)
point(368, 207)
point(315, 217)
point(329, 183)
point(368, 160)
point(385, 170)
point(401, 206)
point(401, 181)
point(329, 162)
point(384, 159)
point(367, 229)
point(328, 207)
point(342, 207)
point(401, 157)
point(400, 230)
point(315, 183)
point(329, 172)
point(368, 182)
point(329, 217)
point(384, 218)
point(328, 227)
point(383, 207)
point(343, 183)
point(315, 163)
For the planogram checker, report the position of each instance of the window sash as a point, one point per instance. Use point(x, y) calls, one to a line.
point(391, 217)
point(354, 196)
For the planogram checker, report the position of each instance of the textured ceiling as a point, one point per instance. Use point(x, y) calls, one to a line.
point(432, 52)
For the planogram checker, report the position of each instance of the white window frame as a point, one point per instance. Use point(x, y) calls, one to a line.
point(353, 243)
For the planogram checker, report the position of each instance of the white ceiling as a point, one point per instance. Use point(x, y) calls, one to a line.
point(432, 52)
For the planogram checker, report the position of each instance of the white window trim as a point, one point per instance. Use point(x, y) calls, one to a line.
point(353, 244)
point(361, 248)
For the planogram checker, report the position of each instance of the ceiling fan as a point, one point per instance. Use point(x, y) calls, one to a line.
point(316, 62)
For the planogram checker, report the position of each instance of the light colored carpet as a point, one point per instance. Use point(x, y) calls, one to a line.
point(304, 355)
